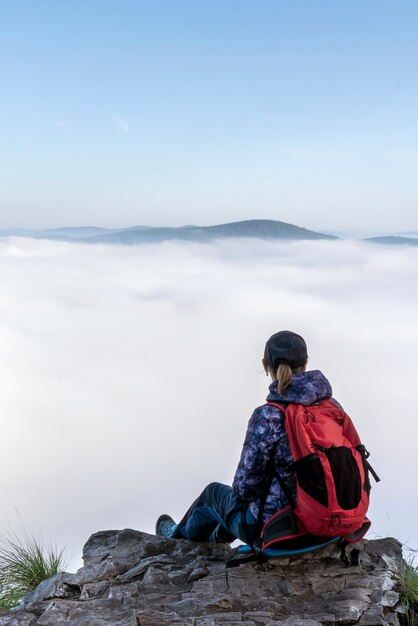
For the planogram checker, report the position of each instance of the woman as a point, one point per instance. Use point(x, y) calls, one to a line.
point(264, 482)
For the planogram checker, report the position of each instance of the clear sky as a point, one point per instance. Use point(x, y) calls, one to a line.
point(156, 112)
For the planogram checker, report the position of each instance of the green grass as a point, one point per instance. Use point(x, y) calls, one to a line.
point(409, 593)
point(24, 563)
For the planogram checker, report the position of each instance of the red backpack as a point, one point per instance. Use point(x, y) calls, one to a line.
point(332, 477)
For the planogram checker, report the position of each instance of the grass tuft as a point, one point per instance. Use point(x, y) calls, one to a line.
point(409, 593)
point(24, 563)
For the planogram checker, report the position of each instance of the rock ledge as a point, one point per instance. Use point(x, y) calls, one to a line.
point(130, 578)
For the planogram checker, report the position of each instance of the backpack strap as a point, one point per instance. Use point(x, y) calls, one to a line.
point(255, 556)
point(365, 455)
point(270, 476)
point(282, 406)
point(353, 559)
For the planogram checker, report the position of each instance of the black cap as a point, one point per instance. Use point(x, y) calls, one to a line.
point(286, 347)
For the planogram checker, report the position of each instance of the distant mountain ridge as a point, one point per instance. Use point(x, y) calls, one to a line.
point(394, 240)
point(257, 228)
point(411, 233)
point(260, 229)
point(66, 232)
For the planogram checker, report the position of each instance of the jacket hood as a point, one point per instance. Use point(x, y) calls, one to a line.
point(304, 388)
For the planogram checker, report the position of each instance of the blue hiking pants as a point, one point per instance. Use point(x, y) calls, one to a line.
point(218, 514)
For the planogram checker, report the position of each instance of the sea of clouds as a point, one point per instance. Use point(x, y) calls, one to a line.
point(128, 374)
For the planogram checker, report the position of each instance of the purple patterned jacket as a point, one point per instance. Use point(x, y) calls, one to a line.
point(265, 431)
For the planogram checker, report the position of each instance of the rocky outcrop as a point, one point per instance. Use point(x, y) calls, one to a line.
point(131, 578)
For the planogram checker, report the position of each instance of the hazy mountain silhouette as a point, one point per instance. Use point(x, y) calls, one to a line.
point(261, 229)
point(410, 233)
point(394, 240)
point(67, 232)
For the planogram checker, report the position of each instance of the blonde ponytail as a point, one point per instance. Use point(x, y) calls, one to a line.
point(284, 376)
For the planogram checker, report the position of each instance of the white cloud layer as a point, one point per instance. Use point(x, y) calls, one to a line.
point(128, 374)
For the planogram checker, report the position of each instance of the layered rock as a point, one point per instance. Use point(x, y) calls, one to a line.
point(131, 578)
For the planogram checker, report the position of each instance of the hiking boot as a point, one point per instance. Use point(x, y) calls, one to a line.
point(164, 526)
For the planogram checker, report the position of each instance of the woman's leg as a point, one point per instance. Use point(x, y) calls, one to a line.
point(217, 505)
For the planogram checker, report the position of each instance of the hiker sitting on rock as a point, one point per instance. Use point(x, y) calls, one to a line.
point(265, 481)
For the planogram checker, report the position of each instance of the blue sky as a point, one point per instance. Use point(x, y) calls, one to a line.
point(174, 112)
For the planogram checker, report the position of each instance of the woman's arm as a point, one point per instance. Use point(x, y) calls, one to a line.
point(265, 432)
